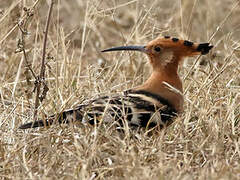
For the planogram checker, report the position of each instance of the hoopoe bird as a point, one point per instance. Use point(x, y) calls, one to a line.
point(155, 103)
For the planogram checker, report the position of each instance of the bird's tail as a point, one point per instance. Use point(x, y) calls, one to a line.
point(39, 123)
point(62, 118)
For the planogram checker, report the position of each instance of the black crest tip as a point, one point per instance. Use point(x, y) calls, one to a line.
point(204, 48)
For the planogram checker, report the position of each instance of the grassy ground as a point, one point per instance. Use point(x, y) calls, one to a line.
point(203, 142)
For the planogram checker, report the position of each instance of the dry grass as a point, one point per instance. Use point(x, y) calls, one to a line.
point(203, 143)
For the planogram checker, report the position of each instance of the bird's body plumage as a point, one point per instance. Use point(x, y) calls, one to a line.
point(137, 108)
point(152, 104)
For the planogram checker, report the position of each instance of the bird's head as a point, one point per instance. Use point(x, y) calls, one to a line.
point(166, 51)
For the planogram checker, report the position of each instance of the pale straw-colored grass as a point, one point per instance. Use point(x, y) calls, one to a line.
point(202, 143)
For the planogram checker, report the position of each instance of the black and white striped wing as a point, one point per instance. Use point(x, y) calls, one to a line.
point(137, 108)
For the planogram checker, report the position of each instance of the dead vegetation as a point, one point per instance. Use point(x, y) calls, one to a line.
point(203, 142)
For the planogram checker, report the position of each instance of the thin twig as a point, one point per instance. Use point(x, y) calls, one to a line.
point(22, 25)
point(22, 48)
point(42, 71)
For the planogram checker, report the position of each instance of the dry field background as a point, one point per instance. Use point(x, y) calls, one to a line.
point(203, 142)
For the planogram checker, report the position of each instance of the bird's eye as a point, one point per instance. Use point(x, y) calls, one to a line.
point(157, 49)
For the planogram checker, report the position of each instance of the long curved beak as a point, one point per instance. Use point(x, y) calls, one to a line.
point(127, 48)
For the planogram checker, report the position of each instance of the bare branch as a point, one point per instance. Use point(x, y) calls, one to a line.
point(42, 71)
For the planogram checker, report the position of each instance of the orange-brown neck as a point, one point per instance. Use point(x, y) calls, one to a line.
point(165, 82)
